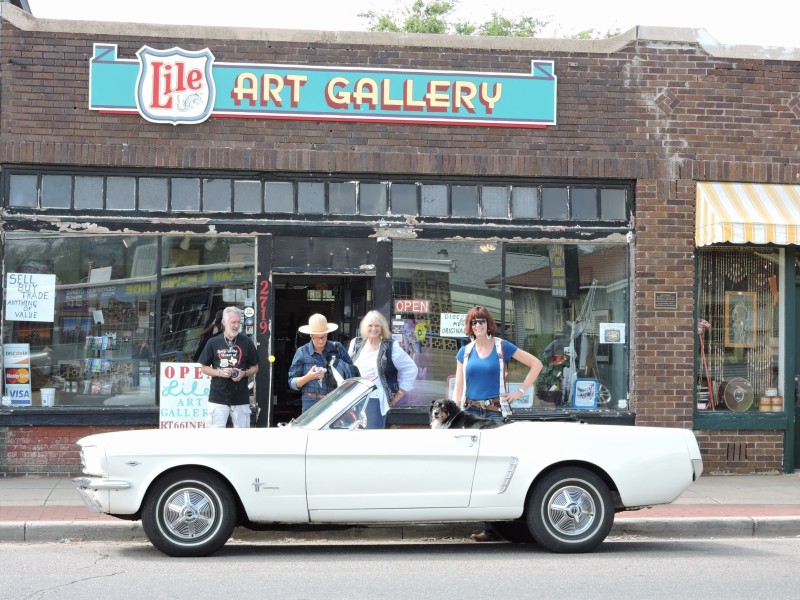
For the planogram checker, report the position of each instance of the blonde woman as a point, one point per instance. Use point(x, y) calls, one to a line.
point(377, 355)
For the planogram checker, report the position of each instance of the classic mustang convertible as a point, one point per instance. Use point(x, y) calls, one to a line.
point(558, 484)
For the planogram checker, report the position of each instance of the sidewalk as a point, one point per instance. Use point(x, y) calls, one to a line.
point(51, 510)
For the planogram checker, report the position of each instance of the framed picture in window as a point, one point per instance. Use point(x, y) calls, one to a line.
point(740, 319)
point(585, 391)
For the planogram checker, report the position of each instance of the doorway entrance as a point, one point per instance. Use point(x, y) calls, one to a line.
point(342, 299)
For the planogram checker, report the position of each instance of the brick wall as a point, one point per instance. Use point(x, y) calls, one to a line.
point(650, 110)
point(741, 452)
point(663, 113)
point(3, 448)
point(44, 451)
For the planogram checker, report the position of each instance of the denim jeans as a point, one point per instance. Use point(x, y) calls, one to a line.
point(375, 420)
point(483, 413)
point(308, 402)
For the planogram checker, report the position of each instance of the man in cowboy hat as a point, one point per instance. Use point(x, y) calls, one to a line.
point(309, 370)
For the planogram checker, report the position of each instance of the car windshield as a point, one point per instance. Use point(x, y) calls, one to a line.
point(335, 402)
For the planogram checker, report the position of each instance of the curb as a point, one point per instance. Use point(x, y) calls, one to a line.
point(673, 528)
point(716, 527)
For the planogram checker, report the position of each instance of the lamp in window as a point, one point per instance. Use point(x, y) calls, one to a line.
point(210, 243)
point(185, 243)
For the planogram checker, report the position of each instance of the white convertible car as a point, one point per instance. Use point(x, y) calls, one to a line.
point(558, 484)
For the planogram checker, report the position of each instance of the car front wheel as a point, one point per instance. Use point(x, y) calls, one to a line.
point(571, 510)
point(189, 513)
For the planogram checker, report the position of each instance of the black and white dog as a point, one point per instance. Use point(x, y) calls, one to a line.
point(445, 414)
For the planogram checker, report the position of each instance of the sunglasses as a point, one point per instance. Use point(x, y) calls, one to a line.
point(477, 322)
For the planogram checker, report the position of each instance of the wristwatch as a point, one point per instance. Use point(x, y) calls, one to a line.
point(234, 373)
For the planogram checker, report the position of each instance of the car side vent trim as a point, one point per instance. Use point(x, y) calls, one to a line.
point(512, 467)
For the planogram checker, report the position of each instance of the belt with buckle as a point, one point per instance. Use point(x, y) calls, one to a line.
point(488, 404)
point(317, 396)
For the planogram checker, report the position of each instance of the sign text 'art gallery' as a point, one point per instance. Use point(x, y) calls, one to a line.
point(180, 86)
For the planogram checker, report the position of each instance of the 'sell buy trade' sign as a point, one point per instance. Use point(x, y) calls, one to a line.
point(187, 87)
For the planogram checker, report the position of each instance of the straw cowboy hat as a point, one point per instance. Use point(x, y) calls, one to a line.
point(318, 325)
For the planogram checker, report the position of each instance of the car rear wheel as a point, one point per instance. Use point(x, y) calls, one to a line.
point(571, 510)
point(189, 513)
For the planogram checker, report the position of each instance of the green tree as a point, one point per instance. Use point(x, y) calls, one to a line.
point(436, 16)
point(594, 34)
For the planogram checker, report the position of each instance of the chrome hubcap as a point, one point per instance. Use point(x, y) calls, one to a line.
point(571, 511)
point(189, 513)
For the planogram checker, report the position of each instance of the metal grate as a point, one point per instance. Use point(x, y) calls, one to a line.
point(737, 452)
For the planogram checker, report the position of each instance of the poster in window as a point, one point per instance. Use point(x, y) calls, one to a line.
point(585, 392)
point(75, 329)
point(740, 319)
point(35, 334)
point(612, 333)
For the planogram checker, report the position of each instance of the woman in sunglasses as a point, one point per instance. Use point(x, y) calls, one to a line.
point(481, 376)
point(482, 365)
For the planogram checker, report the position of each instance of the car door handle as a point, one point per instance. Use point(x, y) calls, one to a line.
point(472, 438)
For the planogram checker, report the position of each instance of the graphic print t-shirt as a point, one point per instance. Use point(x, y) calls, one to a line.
point(219, 355)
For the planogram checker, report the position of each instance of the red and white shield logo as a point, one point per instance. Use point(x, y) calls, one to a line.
point(175, 86)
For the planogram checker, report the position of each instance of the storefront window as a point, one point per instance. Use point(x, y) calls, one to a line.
point(247, 197)
point(434, 200)
point(200, 276)
point(373, 198)
point(56, 191)
point(494, 201)
point(121, 193)
point(342, 198)
point(524, 203)
point(279, 197)
point(404, 199)
point(79, 309)
point(80, 319)
point(551, 306)
point(738, 329)
point(186, 193)
point(216, 195)
point(88, 192)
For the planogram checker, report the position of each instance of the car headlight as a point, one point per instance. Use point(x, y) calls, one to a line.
point(93, 460)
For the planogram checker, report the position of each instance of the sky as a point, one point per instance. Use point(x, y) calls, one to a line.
point(765, 23)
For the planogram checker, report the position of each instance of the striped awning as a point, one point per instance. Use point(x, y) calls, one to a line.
point(742, 213)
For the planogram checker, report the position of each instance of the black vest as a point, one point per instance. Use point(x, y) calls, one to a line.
point(387, 372)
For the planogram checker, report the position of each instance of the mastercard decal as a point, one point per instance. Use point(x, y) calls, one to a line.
point(17, 376)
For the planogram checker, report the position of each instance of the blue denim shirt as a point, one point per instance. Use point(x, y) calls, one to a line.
point(305, 358)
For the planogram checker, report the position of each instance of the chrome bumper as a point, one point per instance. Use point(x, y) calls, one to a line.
point(89, 486)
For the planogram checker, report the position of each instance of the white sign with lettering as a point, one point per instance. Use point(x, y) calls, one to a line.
point(184, 396)
point(452, 325)
point(30, 297)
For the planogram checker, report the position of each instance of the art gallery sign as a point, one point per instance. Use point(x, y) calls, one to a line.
point(179, 86)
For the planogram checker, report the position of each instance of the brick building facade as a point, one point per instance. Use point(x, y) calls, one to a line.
point(653, 111)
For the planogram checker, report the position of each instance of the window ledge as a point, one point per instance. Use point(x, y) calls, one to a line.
point(740, 420)
point(78, 416)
